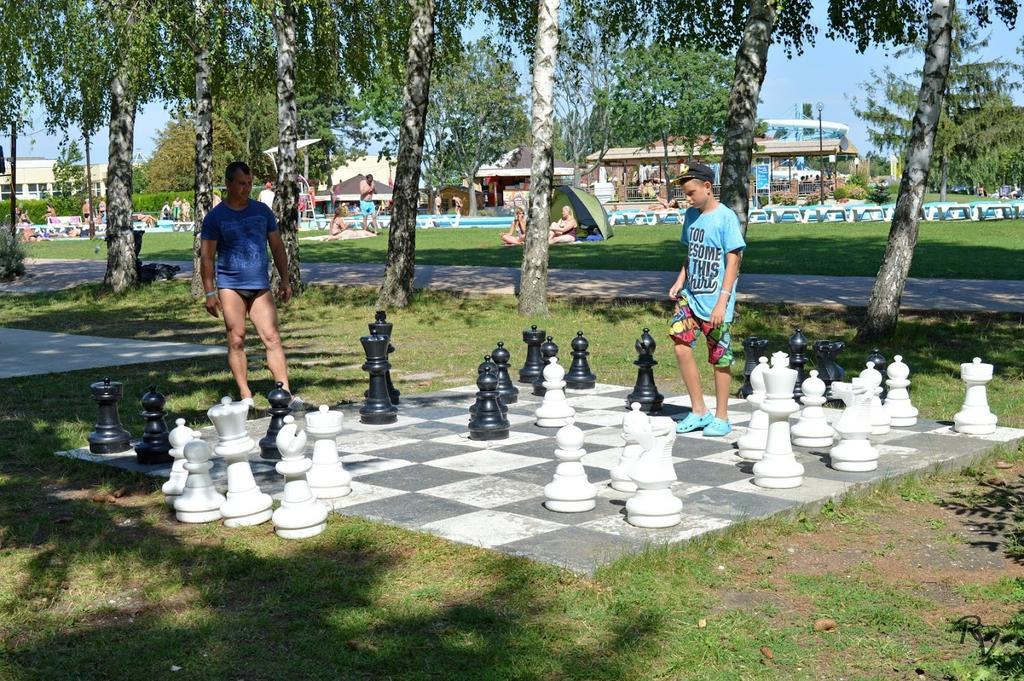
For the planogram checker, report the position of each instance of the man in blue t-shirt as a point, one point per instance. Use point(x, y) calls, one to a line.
point(705, 291)
point(236, 233)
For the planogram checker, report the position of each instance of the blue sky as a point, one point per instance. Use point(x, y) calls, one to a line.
point(828, 71)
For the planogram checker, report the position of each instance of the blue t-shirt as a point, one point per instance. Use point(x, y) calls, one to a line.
point(241, 237)
point(708, 237)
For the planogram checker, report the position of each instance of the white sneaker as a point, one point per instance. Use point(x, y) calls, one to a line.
point(248, 402)
point(297, 403)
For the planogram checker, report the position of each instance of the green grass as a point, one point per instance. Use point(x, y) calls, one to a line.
point(969, 250)
point(97, 590)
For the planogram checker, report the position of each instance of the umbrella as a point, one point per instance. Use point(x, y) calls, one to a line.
point(587, 208)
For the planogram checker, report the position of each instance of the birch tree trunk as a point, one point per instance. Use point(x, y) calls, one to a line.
point(121, 259)
point(88, 185)
point(738, 148)
point(286, 194)
point(472, 197)
point(400, 269)
point(945, 175)
point(884, 305)
point(533, 287)
point(204, 137)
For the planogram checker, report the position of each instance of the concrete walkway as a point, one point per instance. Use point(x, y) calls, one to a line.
point(967, 295)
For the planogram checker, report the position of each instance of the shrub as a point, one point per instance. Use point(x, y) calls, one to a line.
point(878, 193)
point(12, 256)
point(811, 200)
point(856, 192)
point(154, 201)
point(784, 198)
point(37, 208)
point(841, 193)
point(857, 180)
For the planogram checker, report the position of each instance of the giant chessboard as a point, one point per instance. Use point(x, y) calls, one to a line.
point(425, 474)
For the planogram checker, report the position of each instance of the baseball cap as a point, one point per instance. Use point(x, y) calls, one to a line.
point(698, 171)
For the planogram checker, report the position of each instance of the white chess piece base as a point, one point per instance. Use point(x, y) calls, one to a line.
point(854, 456)
point(654, 508)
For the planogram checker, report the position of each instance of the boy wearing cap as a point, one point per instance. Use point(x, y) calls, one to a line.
point(705, 295)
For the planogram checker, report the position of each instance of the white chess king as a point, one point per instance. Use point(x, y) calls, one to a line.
point(245, 504)
point(570, 491)
point(975, 418)
point(299, 515)
point(328, 479)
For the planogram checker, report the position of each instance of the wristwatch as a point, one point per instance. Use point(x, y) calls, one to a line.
point(211, 294)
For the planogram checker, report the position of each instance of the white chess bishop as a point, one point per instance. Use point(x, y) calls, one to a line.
point(299, 515)
point(902, 413)
point(245, 504)
point(854, 451)
point(200, 501)
point(974, 417)
point(752, 443)
point(570, 491)
point(778, 468)
point(179, 436)
point(654, 505)
point(635, 421)
point(328, 479)
point(813, 430)
point(554, 411)
point(881, 422)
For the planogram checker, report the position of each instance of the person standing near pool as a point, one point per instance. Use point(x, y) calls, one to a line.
point(366, 204)
point(236, 234)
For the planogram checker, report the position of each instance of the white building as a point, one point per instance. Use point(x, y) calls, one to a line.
point(35, 178)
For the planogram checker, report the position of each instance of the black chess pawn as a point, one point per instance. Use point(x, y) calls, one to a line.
point(645, 391)
point(280, 406)
point(879, 359)
point(489, 365)
point(534, 364)
point(579, 376)
point(507, 391)
point(486, 421)
point(797, 360)
point(155, 447)
point(829, 371)
point(380, 326)
point(548, 349)
point(108, 435)
point(753, 347)
point(377, 408)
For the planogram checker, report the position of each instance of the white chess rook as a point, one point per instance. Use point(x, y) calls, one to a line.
point(633, 422)
point(245, 504)
point(555, 411)
point(813, 430)
point(328, 479)
point(779, 469)
point(179, 436)
point(854, 451)
point(974, 417)
point(881, 422)
point(752, 443)
point(299, 515)
point(570, 491)
point(654, 505)
point(902, 413)
point(199, 502)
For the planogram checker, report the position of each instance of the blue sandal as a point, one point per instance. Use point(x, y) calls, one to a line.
point(717, 428)
point(694, 422)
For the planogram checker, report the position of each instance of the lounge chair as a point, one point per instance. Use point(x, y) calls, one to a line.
point(787, 214)
point(758, 216)
point(990, 210)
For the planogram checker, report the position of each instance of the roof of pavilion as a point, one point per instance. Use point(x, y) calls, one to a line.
point(765, 147)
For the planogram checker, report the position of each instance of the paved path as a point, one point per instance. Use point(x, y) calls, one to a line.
point(974, 295)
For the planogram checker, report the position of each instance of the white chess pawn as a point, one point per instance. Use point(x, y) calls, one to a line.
point(200, 501)
point(752, 443)
point(633, 422)
point(328, 479)
point(179, 436)
point(299, 515)
point(880, 420)
point(974, 417)
point(778, 468)
point(554, 411)
point(570, 491)
point(854, 451)
point(902, 413)
point(654, 505)
point(812, 430)
point(245, 504)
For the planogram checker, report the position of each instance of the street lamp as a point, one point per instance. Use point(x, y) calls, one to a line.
point(821, 158)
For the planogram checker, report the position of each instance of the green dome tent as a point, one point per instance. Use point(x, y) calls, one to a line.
point(586, 207)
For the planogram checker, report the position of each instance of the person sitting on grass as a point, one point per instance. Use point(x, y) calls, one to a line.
point(516, 234)
point(339, 231)
point(563, 231)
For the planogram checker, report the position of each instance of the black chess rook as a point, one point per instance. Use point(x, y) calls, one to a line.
point(753, 347)
point(155, 447)
point(579, 376)
point(380, 326)
point(486, 420)
point(280, 406)
point(829, 371)
point(533, 366)
point(377, 408)
point(548, 349)
point(645, 391)
point(108, 435)
point(508, 393)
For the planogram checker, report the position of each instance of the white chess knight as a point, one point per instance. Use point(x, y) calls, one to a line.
point(812, 430)
point(245, 504)
point(328, 479)
point(902, 413)
point(299, 515)
point(633, 422)
point(881, 422)
point(654, 505)
point(854, 451)
point(199, 502)
point(778, 468)
point(179, 436)
point(752, 443)
point(974, 417)
point(554, 411)
point(570, 491)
